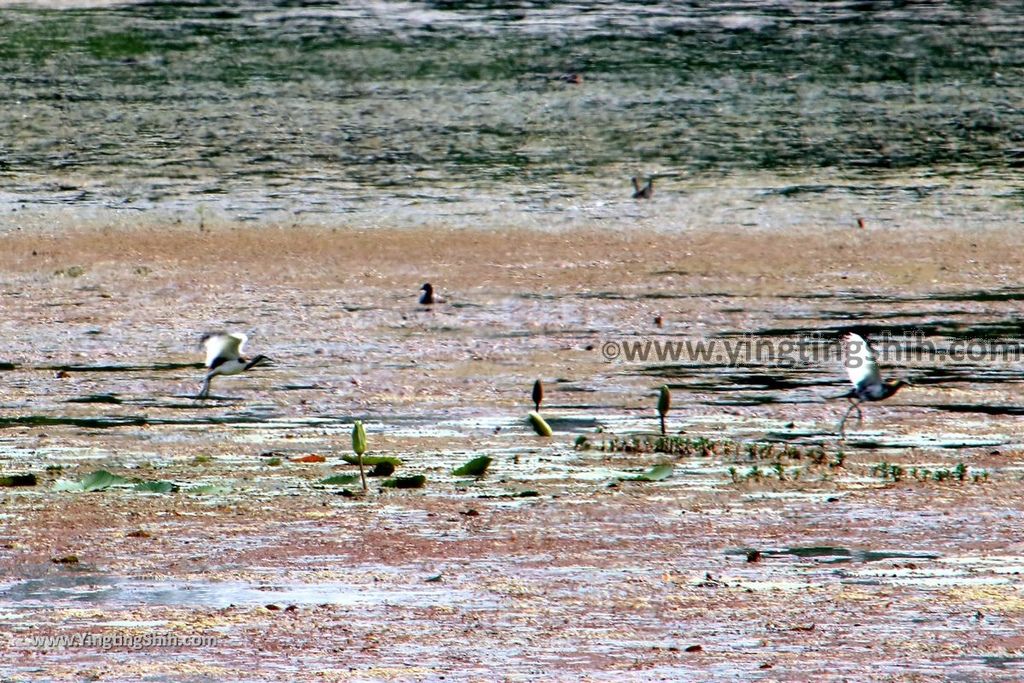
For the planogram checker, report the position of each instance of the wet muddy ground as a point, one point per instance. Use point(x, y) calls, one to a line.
point(169, 169)
point(773, 551)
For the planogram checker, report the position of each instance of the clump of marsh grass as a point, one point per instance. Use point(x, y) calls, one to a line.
point(895, 473)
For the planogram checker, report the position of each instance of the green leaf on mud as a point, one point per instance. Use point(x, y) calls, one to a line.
point(100, 480)
point(340, 480)
point(656, 473)
point(208, 490)
point(474, 468)
point(156, 487)
point(372, 460)
point(415, 482)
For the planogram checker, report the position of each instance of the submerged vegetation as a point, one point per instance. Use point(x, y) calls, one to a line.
point(897, 473)
point(703, 447)
point(772, 461)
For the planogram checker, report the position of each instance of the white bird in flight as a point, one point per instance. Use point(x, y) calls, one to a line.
point(867, 382)
point(224, 357)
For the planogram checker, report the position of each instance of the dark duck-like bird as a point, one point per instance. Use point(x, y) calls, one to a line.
point(427, 298)
point(224, 357)
point(867, 382)
point(645, 192)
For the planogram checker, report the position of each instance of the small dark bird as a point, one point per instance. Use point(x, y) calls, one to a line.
point(645, 192)
point(538, 394)
point(224, 357)
point(867, 382)
point(427, 298)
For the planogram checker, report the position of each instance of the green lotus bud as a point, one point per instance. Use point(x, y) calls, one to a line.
point(358, 438)
point(539, 424)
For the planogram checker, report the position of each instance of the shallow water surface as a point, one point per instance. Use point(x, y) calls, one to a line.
point(442, 111)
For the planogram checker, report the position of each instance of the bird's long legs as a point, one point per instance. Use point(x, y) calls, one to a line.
point(860, 416)
point(205, 390)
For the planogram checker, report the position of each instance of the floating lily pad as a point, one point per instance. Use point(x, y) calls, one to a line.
point(208, 490)
point(372, 460)
point(475, 467)
point(656, 473)
point(417, 481)
point(156, 487)
point(99, 480)
point(340, 480)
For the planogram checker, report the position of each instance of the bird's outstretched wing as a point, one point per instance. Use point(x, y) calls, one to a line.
point(860, 362)
point(223, 346)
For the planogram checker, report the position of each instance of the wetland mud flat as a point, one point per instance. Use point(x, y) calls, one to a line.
point(295, 171)
point(772, 552)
